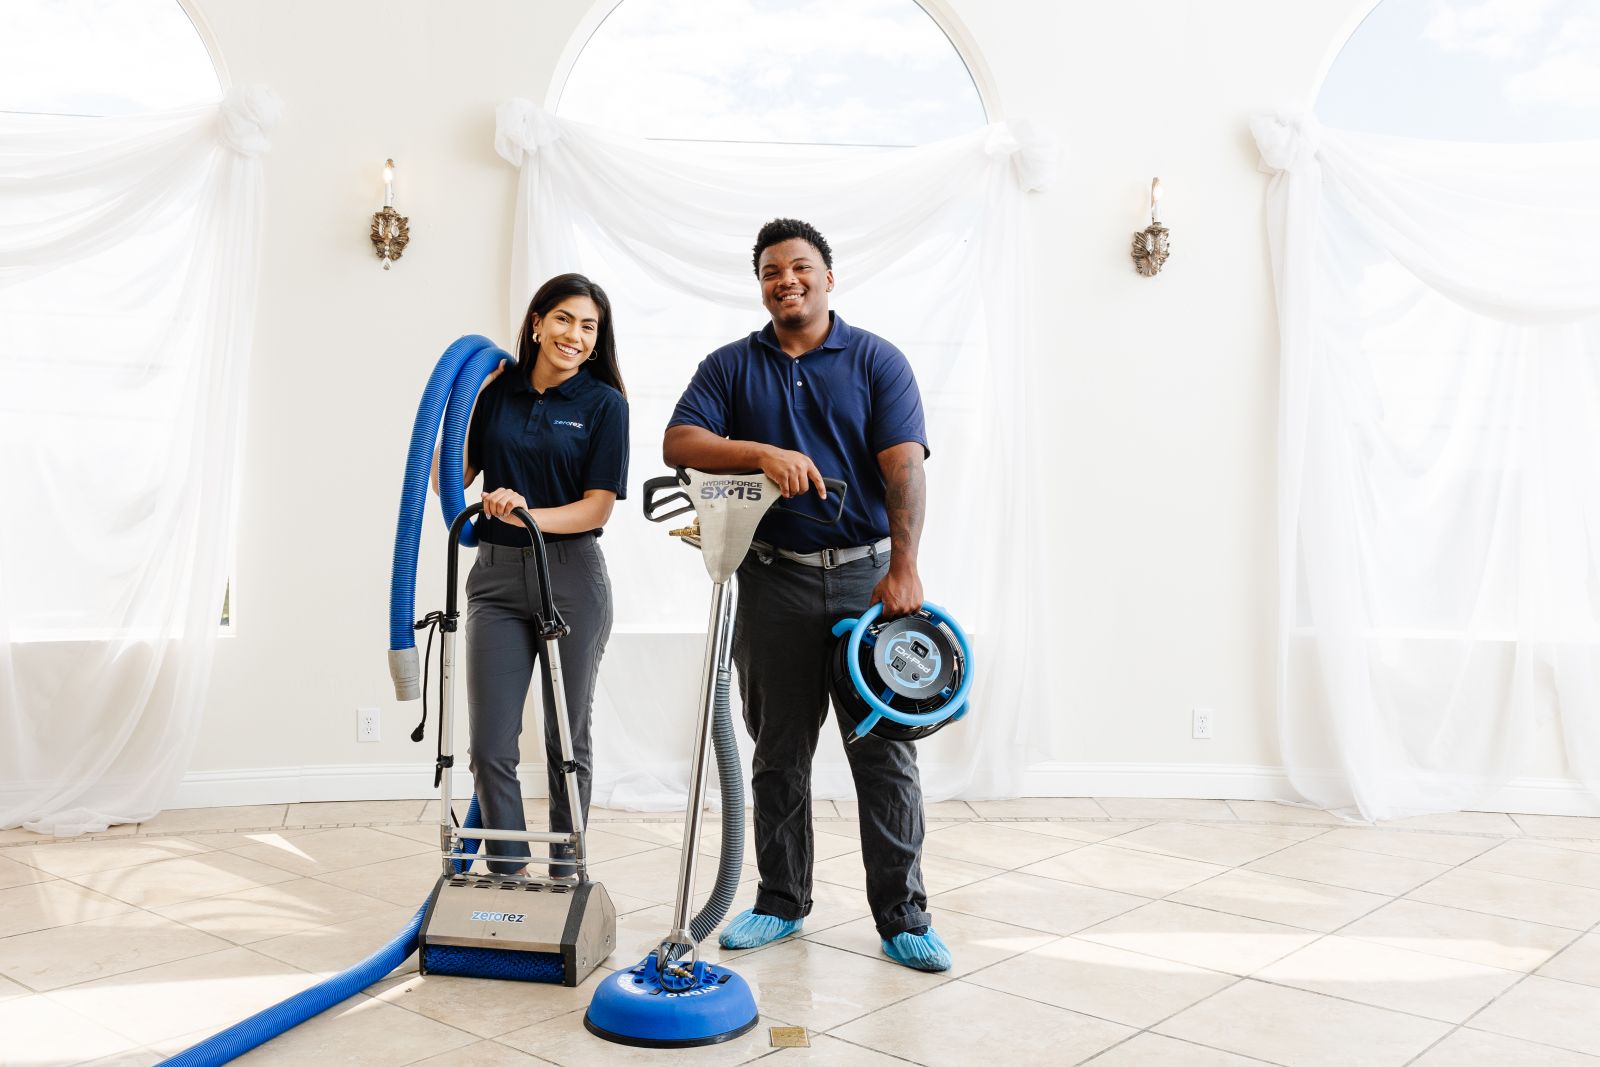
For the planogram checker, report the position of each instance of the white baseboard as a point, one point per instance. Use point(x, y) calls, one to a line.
point(298, 785)
point(1199, 781)
point(1164, 781)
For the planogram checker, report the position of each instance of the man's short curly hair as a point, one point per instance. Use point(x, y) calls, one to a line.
point(780, 230)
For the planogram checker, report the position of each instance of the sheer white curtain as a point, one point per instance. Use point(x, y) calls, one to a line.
point(927, 253)
point(128, 258)
point(1439, 482)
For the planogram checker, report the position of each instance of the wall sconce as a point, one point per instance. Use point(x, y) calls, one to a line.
point(391, 231)
point(1151, 244)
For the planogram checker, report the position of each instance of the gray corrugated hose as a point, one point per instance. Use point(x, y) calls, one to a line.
point(731, 786)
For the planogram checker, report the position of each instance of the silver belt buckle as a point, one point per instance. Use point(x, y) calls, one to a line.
point(830, 558)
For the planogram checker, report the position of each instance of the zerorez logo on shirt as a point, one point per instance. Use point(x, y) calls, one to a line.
point(567, 422)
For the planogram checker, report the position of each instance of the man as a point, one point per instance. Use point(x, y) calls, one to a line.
point(806, 395)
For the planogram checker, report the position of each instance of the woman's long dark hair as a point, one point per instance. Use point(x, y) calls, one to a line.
point(550, 294)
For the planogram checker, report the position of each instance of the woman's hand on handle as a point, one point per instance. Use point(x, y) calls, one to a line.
point(500, 504)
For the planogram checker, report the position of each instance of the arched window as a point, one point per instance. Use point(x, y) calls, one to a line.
point(823, 74)
point(102, 57)
point(1470, 70)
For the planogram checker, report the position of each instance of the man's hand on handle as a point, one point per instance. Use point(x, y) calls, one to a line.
point(793, 471)
point(900, 590)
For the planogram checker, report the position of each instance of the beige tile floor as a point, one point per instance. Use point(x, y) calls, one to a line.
point(1114, 932)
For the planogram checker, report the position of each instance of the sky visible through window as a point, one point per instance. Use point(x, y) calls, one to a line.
point(1470, 70)
point(799, 72)
point(101, 57)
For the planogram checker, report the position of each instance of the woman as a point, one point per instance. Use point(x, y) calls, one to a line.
point(549, 434)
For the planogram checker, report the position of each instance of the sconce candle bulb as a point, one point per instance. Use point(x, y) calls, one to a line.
point(391, 231)
point(1151, 245)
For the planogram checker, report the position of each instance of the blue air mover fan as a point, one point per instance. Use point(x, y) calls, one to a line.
point(900, 679)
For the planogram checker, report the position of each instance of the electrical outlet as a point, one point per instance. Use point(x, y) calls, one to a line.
point(1202, 724)
point(369, 724)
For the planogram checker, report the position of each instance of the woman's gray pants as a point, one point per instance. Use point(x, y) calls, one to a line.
point(503, 650)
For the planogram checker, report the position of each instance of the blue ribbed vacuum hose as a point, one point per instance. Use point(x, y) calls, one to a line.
point(268, 1023)
point(449, 395)
point(451, 390)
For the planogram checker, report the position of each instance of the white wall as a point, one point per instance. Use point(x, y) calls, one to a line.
point(1160, 394)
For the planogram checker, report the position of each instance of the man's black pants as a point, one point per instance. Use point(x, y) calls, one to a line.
point(781, 645)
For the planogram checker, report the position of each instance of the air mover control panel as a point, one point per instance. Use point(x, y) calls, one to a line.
point(912, 658)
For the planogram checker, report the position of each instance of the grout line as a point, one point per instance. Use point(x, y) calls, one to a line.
point(1238, 979)
point(1504, 992)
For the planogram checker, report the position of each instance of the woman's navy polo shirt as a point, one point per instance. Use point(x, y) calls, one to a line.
point(551, 447)
point(841, 404)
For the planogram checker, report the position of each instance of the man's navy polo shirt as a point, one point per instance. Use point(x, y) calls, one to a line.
point(841, 404)
point(551, 447)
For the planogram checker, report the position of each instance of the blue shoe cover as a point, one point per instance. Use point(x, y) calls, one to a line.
point(920, 952)
point(749, 930)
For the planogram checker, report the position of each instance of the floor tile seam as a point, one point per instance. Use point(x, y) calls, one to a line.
point(1000, 873)
point(472, 1037)
point(945, 981)
point(1143, 902)
point(1339, 885)
point(538, 1058)
point(1340, 930)
point(154, 966)
point(1575, 933)
point(1465, 1024)
point(1562, 951)
point(79, 922)
point(134, 1044)
point(1407, 895)
point(769, 1053)
point(1148, 851)
point(1359, 1003)
point(1274, 922)
point(136, 863)
point(1105, 1018)
point(132, 908)
point(1186, 1041)
point(1389, 897)
point(1536, 878)
point(1491, 914)
point(1151, 1029)
point(879, 955)
point(1245, 866)
point(1391, 855)
point(1148, 899)
point(251, 828)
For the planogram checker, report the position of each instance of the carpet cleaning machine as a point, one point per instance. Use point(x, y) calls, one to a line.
point(672, 998)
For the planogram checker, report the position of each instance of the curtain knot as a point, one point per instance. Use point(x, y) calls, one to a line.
point(1286, 142)
point(1033, 152)
point(521, 128)
point(248, 112)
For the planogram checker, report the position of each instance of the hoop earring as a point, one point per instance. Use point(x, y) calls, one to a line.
point(535, 338)
point(592, 355)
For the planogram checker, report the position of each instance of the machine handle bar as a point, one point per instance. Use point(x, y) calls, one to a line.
point(837, 490)
point(672, 486)
point(652, 505)
point(551, 623)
